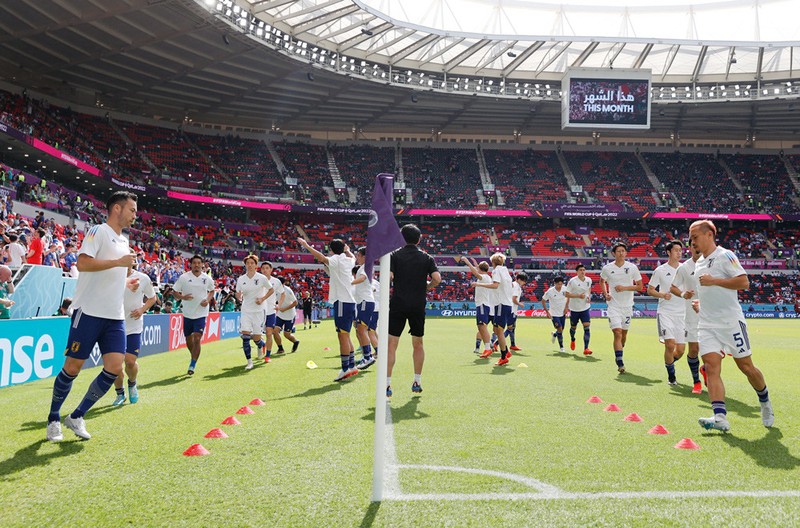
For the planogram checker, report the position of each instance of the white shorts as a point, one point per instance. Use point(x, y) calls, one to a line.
point(620, 317)
point(671, 326)
point(252, 322)
point(692, 320)
point(732, 340)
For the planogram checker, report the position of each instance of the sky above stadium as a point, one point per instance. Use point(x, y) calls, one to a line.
point(710, 20)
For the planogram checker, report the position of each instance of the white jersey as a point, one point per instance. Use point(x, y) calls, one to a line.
point(556, 300)
point(484, 296)
point(272, 301)
point(363, 290)
point(134, 301)
point(289, 298)
point(662, 279)
point(340, 271)
point(576, 286)
point(252, 288)
point(101, 293)
point(198, 286)
point(376, 294)
point(685, 279)
point(516, 291)
point(502, 294)
point(16, 252)
point(624, 275)
point(719, 307)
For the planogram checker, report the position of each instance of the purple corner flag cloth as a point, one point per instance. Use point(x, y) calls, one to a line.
point(383, 234)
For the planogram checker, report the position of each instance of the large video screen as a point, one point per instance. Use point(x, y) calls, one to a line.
point(594, 98)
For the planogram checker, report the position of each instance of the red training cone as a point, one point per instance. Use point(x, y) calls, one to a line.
point(216, 433)
point(230, 420)
point(633, 417)
point(257, 401)
point(594, 399)
point(687, 443)
point(196, 450)
point(612, 407)
point(658, 429)
point(245, 410)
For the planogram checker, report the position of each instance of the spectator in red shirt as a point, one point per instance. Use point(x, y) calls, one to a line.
point(36, 249)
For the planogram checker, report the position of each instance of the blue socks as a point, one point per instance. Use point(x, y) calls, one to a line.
point(694, 366)
point(192, 364)
point(345, 362)
point(246, 345)
point(351, 360)
point(719, 407)
point(366, 350)
point(586, 336)
point(763, 394)
point(260, 344)
point(560, 336)
point(618, 357)
point(572, 333)
point(97, 389)
point(61, 388)
point(670, 370)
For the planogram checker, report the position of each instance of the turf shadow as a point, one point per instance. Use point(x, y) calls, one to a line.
point(576, 357)
point(733, 405)
point(407, 411)
point(164, 382)
point(28, 457)
point(627, 377)
point(370, 514)
point(767, 451)
point(232, 372)
point(316, 391)
point(502, 370)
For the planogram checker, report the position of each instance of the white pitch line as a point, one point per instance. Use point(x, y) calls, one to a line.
point(391, 477)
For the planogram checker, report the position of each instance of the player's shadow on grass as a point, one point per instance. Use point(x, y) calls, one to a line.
point(733, 405)
point(231, 372)
point(164, 382)
point(628, 377)
point(407, 411)
point(369, 515)
point(576, 357)
point(767, 451)
point(316, 391)
point(29, 456)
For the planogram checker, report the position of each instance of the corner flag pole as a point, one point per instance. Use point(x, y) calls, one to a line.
point(380, 383)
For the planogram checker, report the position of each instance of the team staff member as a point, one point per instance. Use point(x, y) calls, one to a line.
point(411, 267)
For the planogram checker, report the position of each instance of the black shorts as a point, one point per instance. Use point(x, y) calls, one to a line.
point(398, 318)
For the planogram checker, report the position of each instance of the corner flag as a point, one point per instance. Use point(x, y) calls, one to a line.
point(383, 233)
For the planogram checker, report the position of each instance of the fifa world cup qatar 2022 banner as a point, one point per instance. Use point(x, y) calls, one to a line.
point(33, 349)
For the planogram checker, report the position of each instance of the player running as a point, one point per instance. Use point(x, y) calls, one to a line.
point(618, 281)
point(579, 295)
point(671, 314)
point(557, 311)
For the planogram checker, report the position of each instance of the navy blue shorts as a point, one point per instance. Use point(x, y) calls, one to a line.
point(559, 322)
point(364, 311)
point(193, 326)
point(271, 321)
point(373, 322)
point(583, 317)
point(134, 343)
point(502, 316)
point(343, 316)
point(283, 324)
point(482, 314)
point(86, 331)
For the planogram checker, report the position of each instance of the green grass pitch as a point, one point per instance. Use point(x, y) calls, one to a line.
point(482, 446)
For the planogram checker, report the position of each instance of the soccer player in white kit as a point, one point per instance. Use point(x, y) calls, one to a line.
point(252, 289)
point(339, 265)
point(99, 315)
point(554, 296)
point(722, 327)
point(503, 302)
point(579, 295)
point(671, 314)
point(365, 308)
point(195, 289)
point(520, 280)
point(483, 305)
point(686, 287)
point(137, 301)
point(618, 281)
point(285, 314)
point(275, 296)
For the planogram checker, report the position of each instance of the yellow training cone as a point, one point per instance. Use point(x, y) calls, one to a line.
point(311, 365)
point(522, 365)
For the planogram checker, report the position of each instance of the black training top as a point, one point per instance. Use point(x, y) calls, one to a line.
point(411, 267)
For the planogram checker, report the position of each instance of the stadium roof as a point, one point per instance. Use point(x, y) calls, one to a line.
point(406, 67)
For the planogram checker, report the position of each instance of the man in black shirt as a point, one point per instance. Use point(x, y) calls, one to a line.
point(306, 307)
point(410, 269)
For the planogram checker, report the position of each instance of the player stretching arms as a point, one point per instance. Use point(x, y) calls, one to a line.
point(722, 326)
point(618, 281)
point(483, 305)
point(501, 283)
point(579, 295)
point(555, 297)
point(671, 313)
point(686, 286)
point(365, 308)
